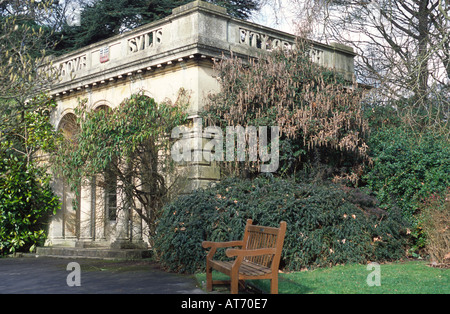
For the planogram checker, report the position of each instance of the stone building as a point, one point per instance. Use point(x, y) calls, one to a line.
point(158, 58)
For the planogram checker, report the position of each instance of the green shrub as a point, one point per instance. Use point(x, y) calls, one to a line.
point(26, 200)
point(408, 168)
point(326, 224)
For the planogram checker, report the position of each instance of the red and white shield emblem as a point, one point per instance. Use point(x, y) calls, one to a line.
point(104, 54)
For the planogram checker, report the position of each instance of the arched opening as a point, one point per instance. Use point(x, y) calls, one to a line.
point(69, 126)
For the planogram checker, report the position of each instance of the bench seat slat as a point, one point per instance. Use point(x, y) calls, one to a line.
point(247, 268)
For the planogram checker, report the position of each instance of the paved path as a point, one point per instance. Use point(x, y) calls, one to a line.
point(49, 275)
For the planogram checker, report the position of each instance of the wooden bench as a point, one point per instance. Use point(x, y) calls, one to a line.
point(258, 258)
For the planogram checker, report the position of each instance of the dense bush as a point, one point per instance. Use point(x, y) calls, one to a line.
point(435, 222)
point(408, 167)
point(26, 201)
point(326, 224)
point(318, 119)
point(26, 136)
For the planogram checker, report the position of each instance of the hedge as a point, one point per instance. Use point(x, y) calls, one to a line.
point(408, 168)
point(326, 224)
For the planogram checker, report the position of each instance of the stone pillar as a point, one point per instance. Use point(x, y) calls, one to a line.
point(136, 230)
point(122, 238)
point(85, 213)
point(100, 219)
point(69, 216)
point(201, 172)
point(56, 227)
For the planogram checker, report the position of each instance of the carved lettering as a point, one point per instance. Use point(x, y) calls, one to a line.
point(317, 56)
point(245, 37)
point(145, 41)
point(73, 65)
point(159, 35)
point(266, 42)
point(262, 41)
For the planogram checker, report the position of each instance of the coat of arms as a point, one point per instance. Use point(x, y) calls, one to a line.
point(104, 54)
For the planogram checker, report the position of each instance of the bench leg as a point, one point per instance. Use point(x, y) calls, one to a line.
point(209, 283)
point(234, 288)
point(274, 285)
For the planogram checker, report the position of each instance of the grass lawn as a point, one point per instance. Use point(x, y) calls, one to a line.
point(401, 277)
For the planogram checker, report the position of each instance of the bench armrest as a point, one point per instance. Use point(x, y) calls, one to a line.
point(207, 244)
point(215, 245)
point(243, 253)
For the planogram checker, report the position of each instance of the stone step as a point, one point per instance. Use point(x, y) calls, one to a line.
point(99, 253)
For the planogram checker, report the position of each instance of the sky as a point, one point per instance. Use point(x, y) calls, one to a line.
point(280, 17)
point(288, 16)
point(276, 14)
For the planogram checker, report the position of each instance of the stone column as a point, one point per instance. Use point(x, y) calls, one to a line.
point(56, 228)
point(85, 213)
point(100, 219)
point(136, 230)
point(201, 171)
point(122, 240)
point(69, 217)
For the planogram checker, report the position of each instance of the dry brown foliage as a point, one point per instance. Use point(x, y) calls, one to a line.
point(435, 222)
point(313, 106)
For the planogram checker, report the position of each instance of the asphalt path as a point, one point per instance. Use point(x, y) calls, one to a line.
point(45, 275)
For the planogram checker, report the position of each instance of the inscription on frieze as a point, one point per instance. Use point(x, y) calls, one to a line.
point(317, 56)
point(145, 41)
point(73, 65)
point(265, 42)
point(262, 41)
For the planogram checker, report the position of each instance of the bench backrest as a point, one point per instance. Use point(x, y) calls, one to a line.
point(260, 237)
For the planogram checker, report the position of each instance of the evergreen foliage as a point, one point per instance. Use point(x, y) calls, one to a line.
point(26, 202)
point(326, 224)
point(26, 197)
point(408, 167)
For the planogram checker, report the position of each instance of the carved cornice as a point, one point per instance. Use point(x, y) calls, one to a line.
point(198, 30)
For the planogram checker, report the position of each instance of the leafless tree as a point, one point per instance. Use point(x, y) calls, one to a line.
point(403, 47)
